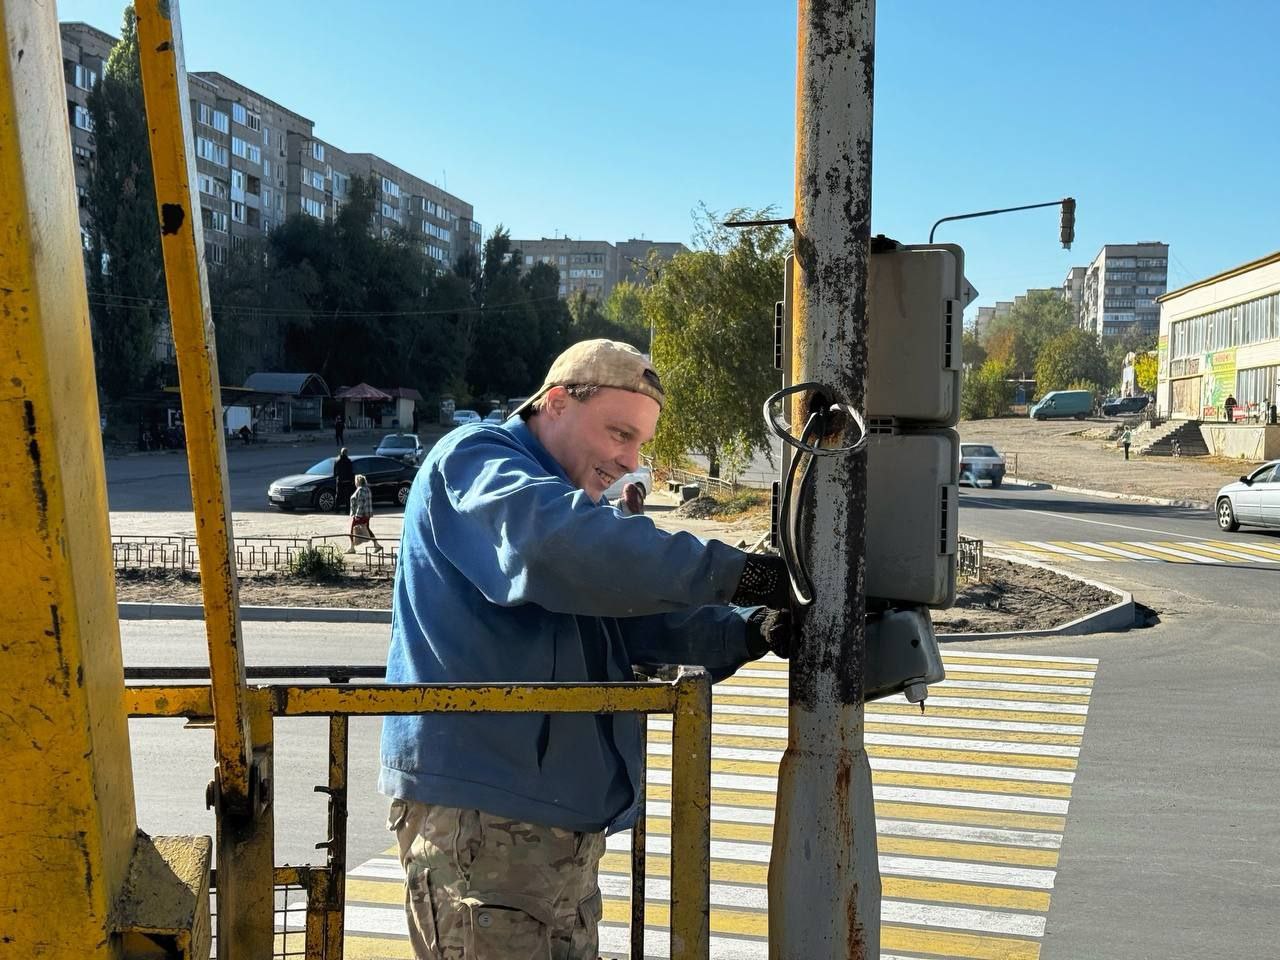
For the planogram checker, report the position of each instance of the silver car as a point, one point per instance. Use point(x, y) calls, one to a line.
point(1253, 500)
point(642, 478)
point(405, 447)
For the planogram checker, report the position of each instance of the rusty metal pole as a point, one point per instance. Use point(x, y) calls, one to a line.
point(824, 879)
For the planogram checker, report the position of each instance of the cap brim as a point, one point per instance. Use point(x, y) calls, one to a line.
point(531, 401)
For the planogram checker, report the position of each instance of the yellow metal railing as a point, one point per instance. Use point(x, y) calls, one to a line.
point(687, 697)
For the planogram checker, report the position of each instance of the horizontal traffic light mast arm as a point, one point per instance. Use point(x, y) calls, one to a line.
point(988, 213)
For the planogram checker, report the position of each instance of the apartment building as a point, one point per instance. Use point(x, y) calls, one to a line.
point(258, 162)
point(1121, 287)
point(84, 56)
point(594, 267)
point(1073, 291)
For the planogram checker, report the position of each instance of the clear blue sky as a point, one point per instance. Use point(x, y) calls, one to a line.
point(612, 120)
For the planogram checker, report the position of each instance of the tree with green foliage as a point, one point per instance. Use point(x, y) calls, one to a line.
point(972, 352)
point(1145, 372)
point(1068, 358)
point(712, 311)
point(1020, 335)
point(987, 391)
point(125, 271)
point(592, 319)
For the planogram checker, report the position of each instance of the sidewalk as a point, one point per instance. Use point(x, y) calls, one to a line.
point(1074, 454)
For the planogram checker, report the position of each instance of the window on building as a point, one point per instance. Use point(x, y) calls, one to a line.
point(317, 180)
point(253, 185)
point(213, 219)
point(215, 253)
point(80, 75)
point(313, 208)
point(390, 187)
point(246, 150)
point(245, 117)
point(340, 182)
point(84, 155)
point(80, 117)
point(237, 211)
point(238, 244)
point(317, 150)
point(208, 150)
point(237, 182)
point(528, 260)
point(1257, 385)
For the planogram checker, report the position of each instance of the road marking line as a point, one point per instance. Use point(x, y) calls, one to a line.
point(1045, 547)
point(900, 720)
point(1260, 551)
point(1022, 659)
point(1113, 552)
point(1232, 554)
point(1179, 556)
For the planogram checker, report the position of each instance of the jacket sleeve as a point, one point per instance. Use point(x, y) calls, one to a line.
point(521, 535)
point(711, 637)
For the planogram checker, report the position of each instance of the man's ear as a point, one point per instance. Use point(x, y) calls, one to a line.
point(556, 401)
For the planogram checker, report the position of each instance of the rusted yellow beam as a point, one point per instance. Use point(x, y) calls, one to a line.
point(195, 702)
point(691, 818)
point(67, 823)
point(164, 86)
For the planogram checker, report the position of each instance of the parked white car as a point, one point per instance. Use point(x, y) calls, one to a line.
point(643, 478)
point(1253, 500)
point(981, 461)
point(461, 417)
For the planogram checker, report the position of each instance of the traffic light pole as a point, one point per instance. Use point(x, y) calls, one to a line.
point(824, 881)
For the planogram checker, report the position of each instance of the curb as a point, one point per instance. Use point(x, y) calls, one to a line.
point(1118, 616)
point(1110, 494)
point(194, 611)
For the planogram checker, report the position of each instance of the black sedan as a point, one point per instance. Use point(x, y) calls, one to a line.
point(317, 489)
point(1115, 406)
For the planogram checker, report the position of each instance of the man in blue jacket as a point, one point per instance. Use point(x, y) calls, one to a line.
point(514, 569)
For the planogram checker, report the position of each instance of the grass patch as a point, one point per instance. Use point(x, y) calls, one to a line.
point(316, 563)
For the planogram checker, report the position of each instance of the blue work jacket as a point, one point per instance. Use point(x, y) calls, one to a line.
point(510, 574)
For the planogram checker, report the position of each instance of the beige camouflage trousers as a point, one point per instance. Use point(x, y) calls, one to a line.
point(480, 887)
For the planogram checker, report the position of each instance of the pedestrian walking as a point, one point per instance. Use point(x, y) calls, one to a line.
point(339, 428)
point(514, 568)
point(361, 515)
point(1126, 438)
point(344, 476)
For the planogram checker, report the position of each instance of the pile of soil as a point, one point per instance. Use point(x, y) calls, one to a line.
point(699, 508)
point(1014, 596)
point(1011, 596)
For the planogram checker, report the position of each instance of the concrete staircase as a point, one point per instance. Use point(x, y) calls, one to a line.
point(1158, 441)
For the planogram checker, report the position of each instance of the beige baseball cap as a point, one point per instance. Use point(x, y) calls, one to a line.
point(601, 363)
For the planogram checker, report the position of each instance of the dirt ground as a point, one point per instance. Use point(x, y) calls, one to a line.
point(1011, 596)
point(1084, 454)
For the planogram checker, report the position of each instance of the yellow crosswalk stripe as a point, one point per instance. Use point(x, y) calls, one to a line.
point(1046, 665)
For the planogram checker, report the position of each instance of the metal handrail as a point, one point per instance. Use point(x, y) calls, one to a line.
point(687, 696)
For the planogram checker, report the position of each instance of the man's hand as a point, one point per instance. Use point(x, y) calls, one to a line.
point(632, 498)
point(769, 631)
point(764, 583)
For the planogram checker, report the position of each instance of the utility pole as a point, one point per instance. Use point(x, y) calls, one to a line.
point(824, 879)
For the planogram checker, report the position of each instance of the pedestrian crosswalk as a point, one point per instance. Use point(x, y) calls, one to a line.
point(971, 800)
point(1141, 551)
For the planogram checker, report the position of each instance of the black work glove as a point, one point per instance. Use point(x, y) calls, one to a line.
point(764, 583)
point(769, 631)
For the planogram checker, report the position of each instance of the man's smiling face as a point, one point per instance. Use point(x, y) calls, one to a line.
point(597, 440)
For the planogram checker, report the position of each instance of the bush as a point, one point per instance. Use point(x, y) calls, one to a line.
point(742, 501)
point(987, 391)
point(316, 563)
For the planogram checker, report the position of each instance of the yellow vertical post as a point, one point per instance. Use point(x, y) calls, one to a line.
point(242, 734)
point(691, 817)
point(67, 821)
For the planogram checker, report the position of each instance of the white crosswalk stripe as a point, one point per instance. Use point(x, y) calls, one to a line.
point(1207, 552)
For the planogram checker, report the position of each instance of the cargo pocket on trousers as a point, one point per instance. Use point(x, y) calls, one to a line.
point(496, 932)
point(422, 909)
point(586, 935)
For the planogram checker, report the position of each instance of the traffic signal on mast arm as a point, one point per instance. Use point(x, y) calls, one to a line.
point(1067, 230)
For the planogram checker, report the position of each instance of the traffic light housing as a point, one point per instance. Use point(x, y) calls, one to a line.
point(1067, 229)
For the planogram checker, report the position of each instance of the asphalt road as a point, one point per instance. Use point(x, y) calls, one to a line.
point(1172, 846)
